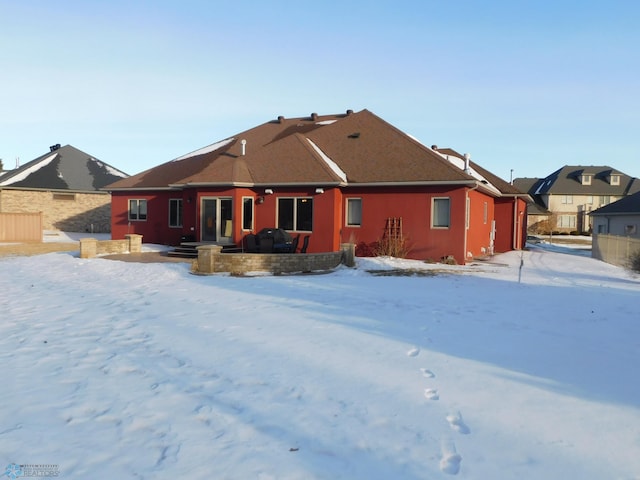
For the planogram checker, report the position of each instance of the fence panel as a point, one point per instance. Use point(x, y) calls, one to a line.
point(614, 249)
point(20, 227)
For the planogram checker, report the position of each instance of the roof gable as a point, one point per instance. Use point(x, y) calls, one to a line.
point(63, 168)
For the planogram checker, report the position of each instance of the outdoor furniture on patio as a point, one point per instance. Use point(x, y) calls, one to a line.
point(305, 244)
point(294, 244)
point(279, 239)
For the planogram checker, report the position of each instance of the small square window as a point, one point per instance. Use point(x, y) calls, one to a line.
point(137, 209)
point(440, 214)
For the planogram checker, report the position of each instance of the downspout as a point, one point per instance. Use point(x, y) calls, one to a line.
point(467, 218)
point(515, 222)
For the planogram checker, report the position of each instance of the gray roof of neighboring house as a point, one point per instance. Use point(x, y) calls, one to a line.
point(629, 205)
point(63, 168)
point(567, 181)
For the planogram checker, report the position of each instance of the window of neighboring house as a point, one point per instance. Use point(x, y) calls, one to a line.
point(440, 212)
point(590, 200)
point(354, 212)
point(295, 214)
point(567, 221)
point(137, 209)
point(64, 196)
point(602, 228)
point(630, 229)
point(586, 179)
point(247, 213)
point(615, 179)
point(605, 199)
point(175, 212)
point(567, 199)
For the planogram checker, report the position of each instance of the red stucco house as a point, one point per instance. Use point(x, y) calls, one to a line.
point(336, 178)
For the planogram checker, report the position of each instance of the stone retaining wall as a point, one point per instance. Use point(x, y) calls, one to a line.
point(211, 260)
point(90, 247)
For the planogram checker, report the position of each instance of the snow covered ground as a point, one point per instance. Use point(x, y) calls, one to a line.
point(491, 371)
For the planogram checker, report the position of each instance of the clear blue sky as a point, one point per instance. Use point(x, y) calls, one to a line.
point(523, 85)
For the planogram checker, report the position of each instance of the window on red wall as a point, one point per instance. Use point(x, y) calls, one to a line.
point(247, 213)
point(354, 212)
point(137, 209)
point(175, 212)
point(440, 214)
point(295, 214)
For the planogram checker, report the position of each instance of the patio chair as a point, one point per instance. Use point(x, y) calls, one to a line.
point(294, 244)
point(305, 244)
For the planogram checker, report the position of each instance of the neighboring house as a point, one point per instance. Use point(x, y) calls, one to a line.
point(66, 186)
point(619, 218)
point(565, 198)
point(616, 232)
point(336, 178)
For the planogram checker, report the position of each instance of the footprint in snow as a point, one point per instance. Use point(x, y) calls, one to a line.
point(427, 373)
point(431, 394)
point(450, 462)
point(413, 352)
point(457, 423)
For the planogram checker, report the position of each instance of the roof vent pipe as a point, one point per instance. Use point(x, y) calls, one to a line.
point(467, 159)
point(243, 142)
point(349, 112)
point(280, 119)
point(314, 116)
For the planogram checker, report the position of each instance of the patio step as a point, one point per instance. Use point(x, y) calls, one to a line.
point(189, 250)
point(184, 251)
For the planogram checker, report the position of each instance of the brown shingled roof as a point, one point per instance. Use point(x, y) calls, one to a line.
point(363, 146)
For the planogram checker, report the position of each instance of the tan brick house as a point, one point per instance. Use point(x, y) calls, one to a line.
point(65, 186)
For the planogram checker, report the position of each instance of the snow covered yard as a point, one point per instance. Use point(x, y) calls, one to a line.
point(123, 370)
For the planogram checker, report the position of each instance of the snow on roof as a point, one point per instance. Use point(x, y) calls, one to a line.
point(332, 165)
point(113, 171)
point(460, 163)
point(203, 150)
point(326, 122)
point(28, 171)
point(542, 184)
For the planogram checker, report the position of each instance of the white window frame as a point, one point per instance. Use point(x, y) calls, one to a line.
point(177, 224)
point(586, 179)
point(563, 220)
point(567, 199)
point(349, 221)
point(434, 201)
point(296, 200)
point(253, 212)
point(138, 203)
point(615, 179)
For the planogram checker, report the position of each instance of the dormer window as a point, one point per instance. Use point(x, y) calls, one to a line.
point(585, 179)
point(615, 179)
